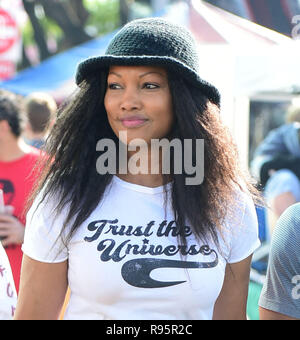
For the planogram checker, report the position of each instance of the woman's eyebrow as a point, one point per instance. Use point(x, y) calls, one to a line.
point(151, 72)
point(116, 74)
point(141, 76)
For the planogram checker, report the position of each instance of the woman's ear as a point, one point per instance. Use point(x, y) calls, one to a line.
point(4, 126)
point(51, 123)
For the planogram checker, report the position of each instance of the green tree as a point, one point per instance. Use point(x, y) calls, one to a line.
point(57, 25)
point(67, 23)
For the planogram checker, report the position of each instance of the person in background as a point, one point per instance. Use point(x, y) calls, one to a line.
point(280, 296)
point(40, 111)
point(293, 114)
point(8, 294)
point(276, 165)
point(17, 160)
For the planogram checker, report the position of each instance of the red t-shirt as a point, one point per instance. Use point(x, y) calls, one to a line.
point(16, 181)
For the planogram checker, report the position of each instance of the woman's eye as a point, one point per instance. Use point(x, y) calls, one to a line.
point(114, 86)
point(150, 86)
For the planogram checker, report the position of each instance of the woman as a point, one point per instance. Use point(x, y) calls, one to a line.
point(139, 245)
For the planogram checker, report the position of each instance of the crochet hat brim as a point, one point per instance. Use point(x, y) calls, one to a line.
point(90, 66)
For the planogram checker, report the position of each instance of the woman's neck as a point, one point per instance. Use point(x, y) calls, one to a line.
point(13, 149)
point(146, 161)
point(151, 181)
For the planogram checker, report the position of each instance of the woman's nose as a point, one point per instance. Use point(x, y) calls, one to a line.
point(131, 100)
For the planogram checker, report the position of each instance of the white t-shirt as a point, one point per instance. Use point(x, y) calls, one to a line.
point(125, 262)
point(8, 295)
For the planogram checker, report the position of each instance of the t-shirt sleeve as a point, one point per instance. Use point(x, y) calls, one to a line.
point(44, 239)
point(244, 239)
point(281, 290)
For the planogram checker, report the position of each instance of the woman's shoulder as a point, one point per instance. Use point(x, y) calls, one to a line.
point(241, 217)
point(47, 209)
point(243, 199)
point(239, 232)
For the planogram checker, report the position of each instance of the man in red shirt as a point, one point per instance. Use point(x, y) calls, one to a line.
point(17, 177)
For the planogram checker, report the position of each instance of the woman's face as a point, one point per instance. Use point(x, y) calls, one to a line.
point(138, 101)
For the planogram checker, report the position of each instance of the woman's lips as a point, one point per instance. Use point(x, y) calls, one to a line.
point(133, 122)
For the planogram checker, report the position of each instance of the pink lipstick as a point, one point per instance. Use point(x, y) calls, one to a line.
point(133, 122)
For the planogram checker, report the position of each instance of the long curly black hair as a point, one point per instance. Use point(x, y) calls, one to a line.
point(70, 169)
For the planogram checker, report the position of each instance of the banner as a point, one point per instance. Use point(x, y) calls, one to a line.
point(11, 13)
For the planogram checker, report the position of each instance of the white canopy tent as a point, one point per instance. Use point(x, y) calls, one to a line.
point(243, 60)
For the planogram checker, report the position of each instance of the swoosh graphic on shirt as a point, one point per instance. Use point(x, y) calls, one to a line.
point(137, 272)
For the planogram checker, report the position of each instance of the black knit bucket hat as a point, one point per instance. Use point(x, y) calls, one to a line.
point(152, 41)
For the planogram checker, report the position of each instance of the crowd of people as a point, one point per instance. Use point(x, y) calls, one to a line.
point(100, 236)
point(24, 126)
